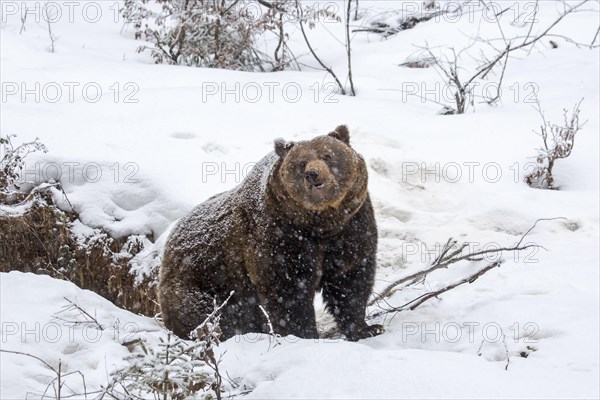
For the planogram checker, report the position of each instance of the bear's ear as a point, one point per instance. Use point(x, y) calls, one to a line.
point(341, 133)
point(282, 147)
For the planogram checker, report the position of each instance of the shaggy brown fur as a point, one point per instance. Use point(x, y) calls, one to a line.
point(301, 222)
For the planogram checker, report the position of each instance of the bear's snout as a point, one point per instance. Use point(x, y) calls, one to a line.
point(316, 174)
point(312, 176)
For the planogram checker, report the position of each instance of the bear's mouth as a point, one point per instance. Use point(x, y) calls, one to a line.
point(318, 185)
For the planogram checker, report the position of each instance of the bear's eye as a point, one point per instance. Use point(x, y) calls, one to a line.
point(327, 157)
point(302, 164)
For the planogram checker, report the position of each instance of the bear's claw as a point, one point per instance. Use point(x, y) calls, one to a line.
point(367, 332)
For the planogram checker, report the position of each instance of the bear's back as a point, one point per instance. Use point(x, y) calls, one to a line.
point(211, 222)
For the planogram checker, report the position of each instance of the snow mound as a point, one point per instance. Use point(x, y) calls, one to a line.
point(37, 319)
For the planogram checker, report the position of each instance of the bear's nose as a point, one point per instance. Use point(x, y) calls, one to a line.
point(311, 175)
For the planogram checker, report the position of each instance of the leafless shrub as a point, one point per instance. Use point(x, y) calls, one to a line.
point(201, 33)
point(12, 163)
point(278, 16)
point(558, 142)
point(462, 85)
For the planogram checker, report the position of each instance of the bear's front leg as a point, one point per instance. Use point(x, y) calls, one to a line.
point(293, 314)
point(349, 273)
point(346, 299)
point(288, 287)
point(289, 302)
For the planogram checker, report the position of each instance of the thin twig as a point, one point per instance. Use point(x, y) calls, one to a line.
point(499, 89)
point(325, 67)
point(272, 335)
point(87, 315)
point(212, 315)
point(349, 48)
point(506, 350)
point(535, 11)
point(32, 356)
point(595, 37)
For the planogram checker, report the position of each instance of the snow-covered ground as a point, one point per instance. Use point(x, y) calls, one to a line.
point(162, 138)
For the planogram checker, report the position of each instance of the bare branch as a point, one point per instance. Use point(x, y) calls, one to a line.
point(535, 11)
point(451, 253)
point(506, 351)
point(216, 311)
point(499, 89)
point(272, 335)
point(595, 37)
point(411, 305)
point(312, 51)
point(488, 67)
point(88, 318)
point(349, 48)
point(32, 356)
point(463, 88)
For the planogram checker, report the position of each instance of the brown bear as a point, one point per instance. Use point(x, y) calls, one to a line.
point(300, 222)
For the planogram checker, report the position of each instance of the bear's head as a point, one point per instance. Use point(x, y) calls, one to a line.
point(321, 175)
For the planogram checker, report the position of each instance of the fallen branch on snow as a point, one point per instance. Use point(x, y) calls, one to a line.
point(450, 254)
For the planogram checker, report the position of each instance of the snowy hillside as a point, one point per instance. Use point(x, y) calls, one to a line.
point(136, 145)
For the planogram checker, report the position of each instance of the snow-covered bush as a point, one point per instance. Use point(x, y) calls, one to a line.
point(558, 142)
point(224, 33)
point(12, 162)
point(201, 33)
point(176, 369)
point(173, 370)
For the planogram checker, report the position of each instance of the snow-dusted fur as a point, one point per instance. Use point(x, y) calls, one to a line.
point(301, 222)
